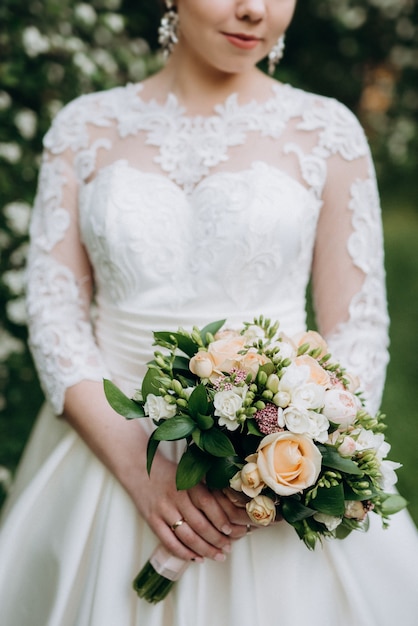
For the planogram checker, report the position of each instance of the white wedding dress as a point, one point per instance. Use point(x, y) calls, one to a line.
point(169, 220)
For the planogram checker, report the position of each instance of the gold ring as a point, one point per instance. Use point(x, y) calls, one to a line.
point(177, 524)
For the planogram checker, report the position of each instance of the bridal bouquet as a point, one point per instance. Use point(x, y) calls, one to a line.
point(271, 417)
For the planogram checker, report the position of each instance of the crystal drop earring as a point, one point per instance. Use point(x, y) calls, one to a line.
point(167, 32)
point(276, 54)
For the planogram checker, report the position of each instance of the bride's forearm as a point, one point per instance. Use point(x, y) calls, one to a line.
point(118, 443)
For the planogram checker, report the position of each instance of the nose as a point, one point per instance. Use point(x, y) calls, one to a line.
point(253, 10)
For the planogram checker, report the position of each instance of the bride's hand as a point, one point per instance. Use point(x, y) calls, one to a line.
point(191, 524)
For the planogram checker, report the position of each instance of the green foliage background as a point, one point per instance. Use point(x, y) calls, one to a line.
point(363, 52)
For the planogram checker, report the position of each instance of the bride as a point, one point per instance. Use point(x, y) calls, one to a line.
point(208, 191)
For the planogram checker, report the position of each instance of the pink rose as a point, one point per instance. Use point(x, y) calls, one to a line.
point(341, 407)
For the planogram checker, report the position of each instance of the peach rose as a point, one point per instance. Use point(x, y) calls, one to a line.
point(201, 364)
point(261, 510)
point(314, 340)
point(288, 463)
point(252, 361)
point(225, 353)
point(317, 374)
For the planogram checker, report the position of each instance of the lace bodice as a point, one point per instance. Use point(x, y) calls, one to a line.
point(147, 218)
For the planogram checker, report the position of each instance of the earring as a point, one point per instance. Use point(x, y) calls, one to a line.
point(167, 32)
point(276, 54)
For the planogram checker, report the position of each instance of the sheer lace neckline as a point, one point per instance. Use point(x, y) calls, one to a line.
point(172, 104)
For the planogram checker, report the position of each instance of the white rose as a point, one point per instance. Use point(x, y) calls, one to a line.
point(304, 422)
point(309, 396)
point(341, 407)
point(157, 408)
point(226, 404)
point(330, 521)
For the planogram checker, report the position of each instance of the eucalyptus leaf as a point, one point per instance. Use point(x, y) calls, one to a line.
point(192, 467)
point(198, 401)
point(175, 428)
point(216, 443)
point(331, 458)
point(121, 403)
point(329, 500)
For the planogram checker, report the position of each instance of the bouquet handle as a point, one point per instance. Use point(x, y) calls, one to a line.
point(158, 575)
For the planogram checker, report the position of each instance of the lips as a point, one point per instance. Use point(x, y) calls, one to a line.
point(242, 40)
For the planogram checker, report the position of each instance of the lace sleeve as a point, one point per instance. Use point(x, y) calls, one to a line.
point(348, 270)
point(59, 281)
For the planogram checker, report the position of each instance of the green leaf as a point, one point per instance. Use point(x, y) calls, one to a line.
point(268, 368)
point(181, 365)
point(198, 401)
point(175, 428)
point(393, 504)
point(192, 467)
point(151, 384)
point(294, 511)
point(197, 438)
point(221, 471)
point(253, 428)
point(204, 421)
point(216, 443)
point(151, 450)
point(329, 500)
point(121, 403)
point(332, 459)
point(185, 344)
point(211, 328)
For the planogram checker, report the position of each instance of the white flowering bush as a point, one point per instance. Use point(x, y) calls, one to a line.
point(50, 52)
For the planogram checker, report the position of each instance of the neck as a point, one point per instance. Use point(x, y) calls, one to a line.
point(200, 87)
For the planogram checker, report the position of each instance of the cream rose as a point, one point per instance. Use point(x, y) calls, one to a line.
point(288, 463)
point(157, 408)
point(261, 510)
point(341, 407)
point(251, 483)
point(201, 364)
